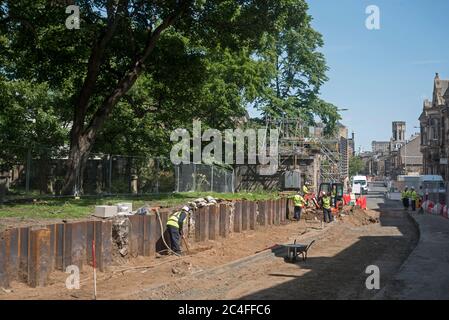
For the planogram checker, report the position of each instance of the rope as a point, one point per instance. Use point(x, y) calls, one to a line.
point(162, 235)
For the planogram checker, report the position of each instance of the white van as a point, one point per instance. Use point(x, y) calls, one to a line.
point(360, 183)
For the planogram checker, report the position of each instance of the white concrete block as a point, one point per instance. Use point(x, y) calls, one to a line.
point(125, 207)
point(105, 211)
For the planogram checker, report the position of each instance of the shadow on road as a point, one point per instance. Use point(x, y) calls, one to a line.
point(343, 275)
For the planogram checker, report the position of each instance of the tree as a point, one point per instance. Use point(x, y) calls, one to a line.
point(356, 166)
point(298, 71)
point(185, 58)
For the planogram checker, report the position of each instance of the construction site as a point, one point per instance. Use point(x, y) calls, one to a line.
point(219, 150)
point(231, 248)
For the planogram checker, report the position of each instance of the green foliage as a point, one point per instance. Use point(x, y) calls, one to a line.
point(216, 59)
point(29, 119)
point(356, 166)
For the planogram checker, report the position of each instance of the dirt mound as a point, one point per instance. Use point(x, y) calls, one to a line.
point(359, 217)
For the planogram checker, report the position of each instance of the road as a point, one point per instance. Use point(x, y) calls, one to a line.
point(335, 268)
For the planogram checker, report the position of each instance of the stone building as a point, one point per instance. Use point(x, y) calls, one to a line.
point(434, 121)
point(380, 147)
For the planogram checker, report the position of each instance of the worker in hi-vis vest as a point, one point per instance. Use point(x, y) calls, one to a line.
point(326, 204)
point(404, 197)
point(413, 198)
point(298, 202)
point(174, 227)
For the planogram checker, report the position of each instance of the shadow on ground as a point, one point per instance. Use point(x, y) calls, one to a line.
point(343, 276)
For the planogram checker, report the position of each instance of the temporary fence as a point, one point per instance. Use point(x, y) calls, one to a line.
point(203, 178)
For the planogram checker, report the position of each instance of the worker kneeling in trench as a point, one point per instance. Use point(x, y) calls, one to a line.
point(174, 226)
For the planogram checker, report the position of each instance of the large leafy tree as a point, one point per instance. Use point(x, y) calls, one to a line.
point(136, 68)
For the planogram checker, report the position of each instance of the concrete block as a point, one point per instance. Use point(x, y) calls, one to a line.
point(214, 222)
point(39, 258)
point(125, 207)
point(105, 211)
point(238, 216)
point(224, 220)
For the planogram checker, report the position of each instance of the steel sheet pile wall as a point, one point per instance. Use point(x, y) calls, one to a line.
point(30, 254)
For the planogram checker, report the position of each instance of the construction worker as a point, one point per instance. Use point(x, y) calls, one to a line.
point(298, 202)
point(305, 190)
point(413, 198)
point(334, 196)
point(326, 204)
point(405, 196)
point(174, 226)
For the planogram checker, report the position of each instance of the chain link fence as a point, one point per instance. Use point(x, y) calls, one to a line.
point(40, 172)
point(203, 178)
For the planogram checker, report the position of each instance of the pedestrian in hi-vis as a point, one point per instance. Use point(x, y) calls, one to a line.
point(174, 227)
point(326, 204)
point(413, 198)
point(298, 202)
point(405, 198)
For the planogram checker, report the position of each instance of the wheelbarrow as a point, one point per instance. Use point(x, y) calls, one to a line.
point(294, 250)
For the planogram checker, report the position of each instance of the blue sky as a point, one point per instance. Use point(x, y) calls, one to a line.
point(382, 75)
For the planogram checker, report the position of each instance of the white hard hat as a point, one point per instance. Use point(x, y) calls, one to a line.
point(185, 208)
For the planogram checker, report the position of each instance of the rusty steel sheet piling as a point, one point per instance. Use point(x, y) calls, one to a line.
point(262, 216)
point(149, 235)
point(204, 223)
point(224, 220)
point(90, 237)
point(103, 244)
point(59, 246)
point(136, 235)
point(4, 274)
point(24, 235)
point(39, 258)
point(214, 221)
point(252, 215)
point(245, 215)
point(160, 245)
point(277, 216)
point(74, 244)
point(238, 216)
point(13, 253)
point(52, 254)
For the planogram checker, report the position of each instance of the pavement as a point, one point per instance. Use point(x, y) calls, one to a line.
point(424, 275)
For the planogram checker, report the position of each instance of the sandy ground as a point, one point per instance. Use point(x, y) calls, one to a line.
point(334, 270)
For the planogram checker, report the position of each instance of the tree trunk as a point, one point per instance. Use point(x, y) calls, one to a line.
point(79, 153)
